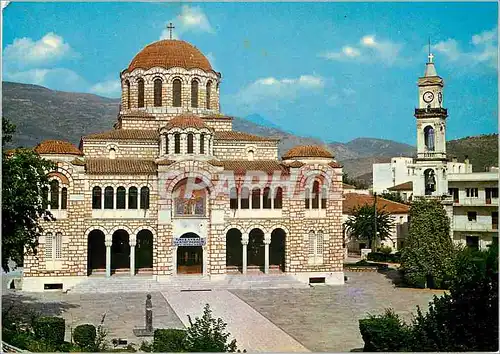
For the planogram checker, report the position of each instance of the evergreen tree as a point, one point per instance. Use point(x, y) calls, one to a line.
point(428, 250)
point(24, 175)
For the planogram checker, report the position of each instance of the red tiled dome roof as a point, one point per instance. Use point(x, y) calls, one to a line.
point(187, 121)
point(59, 147)
point(169, 53)
point(307, 151)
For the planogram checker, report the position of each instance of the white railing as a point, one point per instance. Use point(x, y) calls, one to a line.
point(7, 348)
point(473, 226)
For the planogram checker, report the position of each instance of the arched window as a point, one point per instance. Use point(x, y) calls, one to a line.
point(233, 198)
point(58, 246)
point(96, 198)
point(194, 93)
point(166, 144)
point(251, 154)
point(315, 196)
point(112, 153)
point(256, 198)
point(202, 144)
point(45, 198)
point(307, 197)
point(132, 198)
point(127, 87)
point(64, 198)
point(266, 198)
point(324, 195)
point(429, 138)
point(144, 198)
point(108, 197)
point(120, 198)
point(312, 243)
point(140, 93)
point(209, 88)
point(278, 198)
point(54, 194)
point(177, 143)
point(176, 93)
point(157, 92)
point(190, 143)
point(245, 198)
point(49, 246)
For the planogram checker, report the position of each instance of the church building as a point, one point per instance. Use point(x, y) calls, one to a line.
point(173, 191)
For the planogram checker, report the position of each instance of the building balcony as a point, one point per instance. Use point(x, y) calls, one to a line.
point(475, 227)
point(431, 155)
point(476, 202)
point(430, 112)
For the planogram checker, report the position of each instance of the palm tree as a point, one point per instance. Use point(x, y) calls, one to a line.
point(361, 224)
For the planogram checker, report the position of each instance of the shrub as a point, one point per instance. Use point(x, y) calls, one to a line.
point(20, 340)
point(383, 257)
point(207, 334)
point(146, 347)
point(85, 335)
point(385, 333)
point(41, 346)
point(385, 250)
point(169, 340)
point(50, 329)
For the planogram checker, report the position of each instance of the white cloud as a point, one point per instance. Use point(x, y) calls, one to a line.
point(25, 52)
point(483, 49)
point(191, 18)
point(56, 79)
point(110, 88)
point(272, 89)
point(368, 50)
point(385, 50)
point(347, 52)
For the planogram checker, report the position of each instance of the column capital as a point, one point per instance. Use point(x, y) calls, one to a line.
point(267, 241)
point(108, 243)
point(244, 242)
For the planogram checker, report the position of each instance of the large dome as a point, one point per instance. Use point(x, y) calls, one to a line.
point(170, 53)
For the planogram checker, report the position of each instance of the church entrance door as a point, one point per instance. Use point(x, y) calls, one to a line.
point(189, 254)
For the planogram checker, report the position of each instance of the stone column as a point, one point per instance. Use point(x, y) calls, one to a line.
point(108, 243)
point(205, 261)
point(244, 243)
point(174, 260)
point(267, 241)
point(132, 242)
point(196, 143)
point(163, 145)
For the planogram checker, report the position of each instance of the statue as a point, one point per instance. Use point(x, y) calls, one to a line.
point(149, 314)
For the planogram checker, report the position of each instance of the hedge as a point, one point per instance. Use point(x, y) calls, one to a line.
point(383, 257)
point(85, 335)
point(50, 329)
point(169, 340)
point(385, 333)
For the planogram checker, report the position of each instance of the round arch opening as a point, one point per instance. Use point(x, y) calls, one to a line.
point(190, 257)
point(96, 253)
point(234, 251)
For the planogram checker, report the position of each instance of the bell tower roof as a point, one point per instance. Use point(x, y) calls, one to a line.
point(430, 69)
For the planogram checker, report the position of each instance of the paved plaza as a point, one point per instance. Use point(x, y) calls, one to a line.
point(322, 318)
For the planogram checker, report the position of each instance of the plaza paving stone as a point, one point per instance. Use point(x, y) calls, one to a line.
point(124, 312)
point(325, 318)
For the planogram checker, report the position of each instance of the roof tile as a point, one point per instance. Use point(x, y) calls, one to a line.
point(232, 135)
point(120, 166)
point(353, 200)
point(187, 121)
point(407, 186)
point(59, 147)
point(307, 151)
point(124, 134)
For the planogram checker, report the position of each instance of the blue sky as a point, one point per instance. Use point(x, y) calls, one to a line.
point(336, 71)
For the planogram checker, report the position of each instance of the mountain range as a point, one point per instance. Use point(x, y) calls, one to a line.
point(40, 113)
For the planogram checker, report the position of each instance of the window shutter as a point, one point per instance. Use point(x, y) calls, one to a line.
point(49, 241)
point(58, 246)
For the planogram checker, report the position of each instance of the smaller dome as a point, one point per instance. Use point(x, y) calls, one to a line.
point(308, 151)
point(57, 147)
point(184, 121)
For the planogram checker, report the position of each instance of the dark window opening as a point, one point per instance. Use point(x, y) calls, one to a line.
point(256, 198)
point(190, 143)
point(245, 198)
point(144, 198)
point(54, 194)
point(157, 93)
point(202, 144)
point(96, 198)
point(64, 198)
point(120, 198)
point(132, 198)
point(278, 198)
point(266, 201)
point(176, 93)
point(177, 143)
point(233, 198)
point(194, 94)
point(108, 198)
point(209, 88)
point(140, 93)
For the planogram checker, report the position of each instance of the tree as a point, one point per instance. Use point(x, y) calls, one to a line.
point(428, 250)
point(353, 182)
point(466, 319)
point(395, 197)
point(24, 175)
point(207, 334)
point(361, 224)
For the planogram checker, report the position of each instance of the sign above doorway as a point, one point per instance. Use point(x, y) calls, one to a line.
point(190, 241)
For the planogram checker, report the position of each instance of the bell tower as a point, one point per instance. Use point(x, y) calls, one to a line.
point(431, 161)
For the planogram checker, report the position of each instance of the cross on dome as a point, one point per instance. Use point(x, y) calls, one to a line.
point(170, 28)
point(430, 56)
